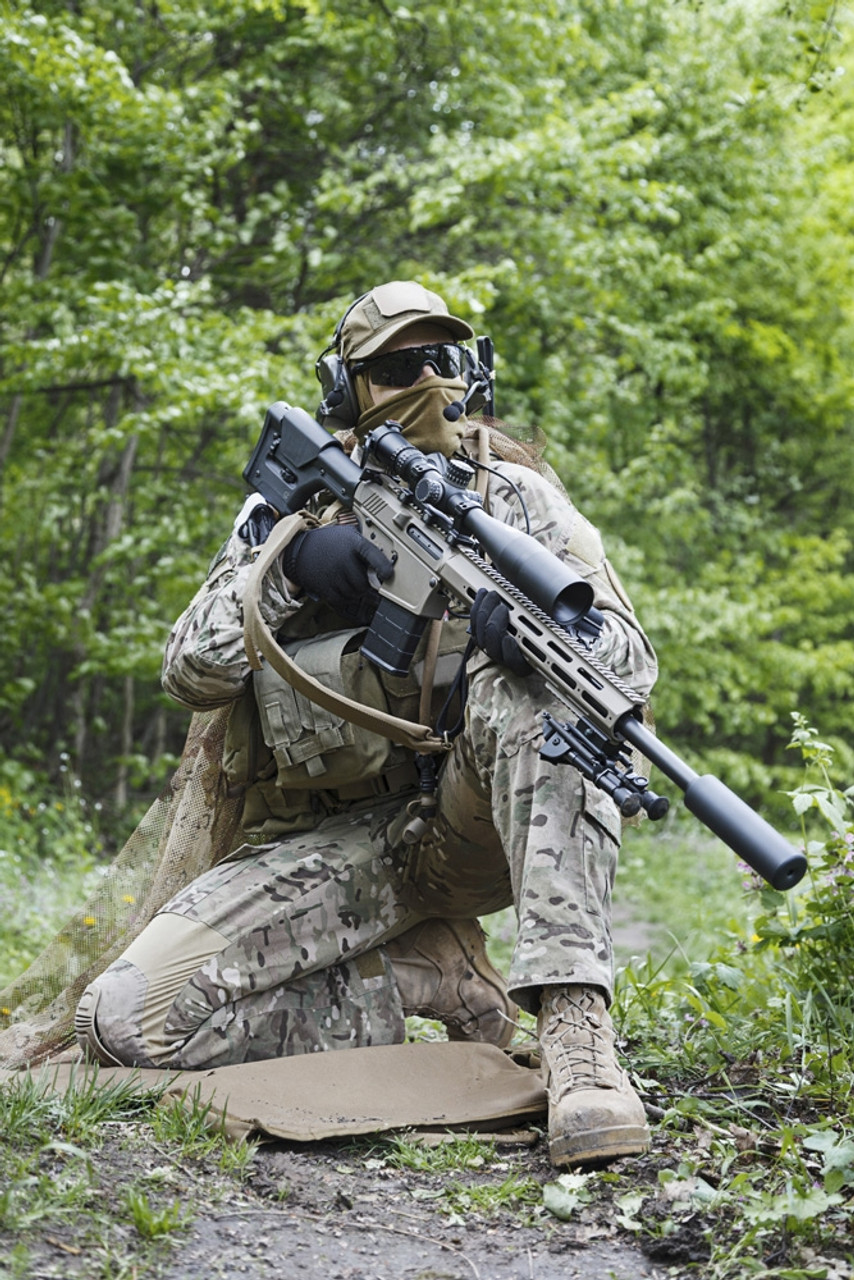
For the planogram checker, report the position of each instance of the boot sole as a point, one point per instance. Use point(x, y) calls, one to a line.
point(599, 1146)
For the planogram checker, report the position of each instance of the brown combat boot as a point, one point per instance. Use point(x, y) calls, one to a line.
point(594, 1113)
point(443, 972)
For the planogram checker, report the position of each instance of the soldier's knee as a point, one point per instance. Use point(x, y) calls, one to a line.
point(94, 1036)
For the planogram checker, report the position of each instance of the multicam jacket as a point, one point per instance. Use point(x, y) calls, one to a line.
point(205, 663)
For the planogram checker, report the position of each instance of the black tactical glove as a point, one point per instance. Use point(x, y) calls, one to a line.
point(490, 623)
point(332, 564)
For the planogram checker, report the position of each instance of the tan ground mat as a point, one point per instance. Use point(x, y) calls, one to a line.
point(326, 1095)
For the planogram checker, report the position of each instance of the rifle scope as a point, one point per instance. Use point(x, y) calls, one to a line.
point(547, 581)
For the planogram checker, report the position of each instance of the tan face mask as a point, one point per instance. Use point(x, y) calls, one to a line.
point(419, 410)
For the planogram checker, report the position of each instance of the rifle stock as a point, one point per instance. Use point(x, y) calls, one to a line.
point(438, 536)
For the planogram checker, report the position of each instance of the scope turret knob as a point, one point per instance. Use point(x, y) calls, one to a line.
point(459, 473)
point(429, 489)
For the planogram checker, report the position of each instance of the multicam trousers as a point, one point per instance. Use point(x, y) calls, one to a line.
point(279, 950)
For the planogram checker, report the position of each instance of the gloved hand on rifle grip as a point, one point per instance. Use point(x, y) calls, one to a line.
point(490, 626)
point(332, 564)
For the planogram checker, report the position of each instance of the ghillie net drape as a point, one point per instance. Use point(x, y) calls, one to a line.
point(189, 828)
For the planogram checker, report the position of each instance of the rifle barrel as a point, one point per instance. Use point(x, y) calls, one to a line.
point(741, 828)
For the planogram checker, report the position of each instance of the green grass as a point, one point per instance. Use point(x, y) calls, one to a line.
point(736, 1023)
point(516, 1192)
point(151, 1222)
point(194, 1128)
point(452, 1161)
point(455, 1153)
point(59, 1180)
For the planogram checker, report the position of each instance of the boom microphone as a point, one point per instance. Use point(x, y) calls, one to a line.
point(457, 408)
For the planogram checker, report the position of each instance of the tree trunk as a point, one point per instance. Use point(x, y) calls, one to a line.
point(54, 226)
point(125, 746)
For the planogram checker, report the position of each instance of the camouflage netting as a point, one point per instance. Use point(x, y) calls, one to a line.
point(191, 826)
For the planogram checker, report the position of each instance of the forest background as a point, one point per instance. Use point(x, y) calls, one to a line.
point(647, 204)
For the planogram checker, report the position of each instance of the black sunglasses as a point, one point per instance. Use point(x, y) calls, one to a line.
point(404, 367)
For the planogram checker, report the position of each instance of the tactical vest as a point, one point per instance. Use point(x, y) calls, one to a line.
point(294, 761)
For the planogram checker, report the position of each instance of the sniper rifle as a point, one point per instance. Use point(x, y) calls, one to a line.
point(420, 511)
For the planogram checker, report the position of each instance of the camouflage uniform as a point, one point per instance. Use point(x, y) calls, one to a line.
point(280, 949)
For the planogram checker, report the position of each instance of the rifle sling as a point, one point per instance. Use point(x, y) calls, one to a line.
point(259, 641)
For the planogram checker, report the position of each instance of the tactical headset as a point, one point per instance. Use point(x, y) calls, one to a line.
point(339, 409)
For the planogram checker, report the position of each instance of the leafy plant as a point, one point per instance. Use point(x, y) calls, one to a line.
point(151, 1222)
point(814, 930)
point(747, 1055)
point(50, 840)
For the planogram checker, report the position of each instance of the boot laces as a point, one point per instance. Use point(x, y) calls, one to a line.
point(578, 1047)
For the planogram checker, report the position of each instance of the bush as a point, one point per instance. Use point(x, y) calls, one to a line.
point(49, 846)
point(814, 931)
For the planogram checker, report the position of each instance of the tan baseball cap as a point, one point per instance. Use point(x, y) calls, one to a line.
point(381, 315)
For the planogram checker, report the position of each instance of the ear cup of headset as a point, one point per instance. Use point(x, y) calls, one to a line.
point(339, 408)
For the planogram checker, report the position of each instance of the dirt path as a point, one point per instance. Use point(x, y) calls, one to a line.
point(351, 1211)
point(331, 1212)
point(351, 1252)
point(350, 1217)
point(343, 1211)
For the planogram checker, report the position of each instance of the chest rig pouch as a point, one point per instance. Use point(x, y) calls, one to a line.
point(313, 747)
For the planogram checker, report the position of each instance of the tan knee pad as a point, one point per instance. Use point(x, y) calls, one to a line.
point(86, 1029)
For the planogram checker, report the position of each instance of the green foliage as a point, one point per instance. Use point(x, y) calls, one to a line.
point(647, 203)
point(814, 932)
point(760, 635)
point(49, 846)
point(749, 1052)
